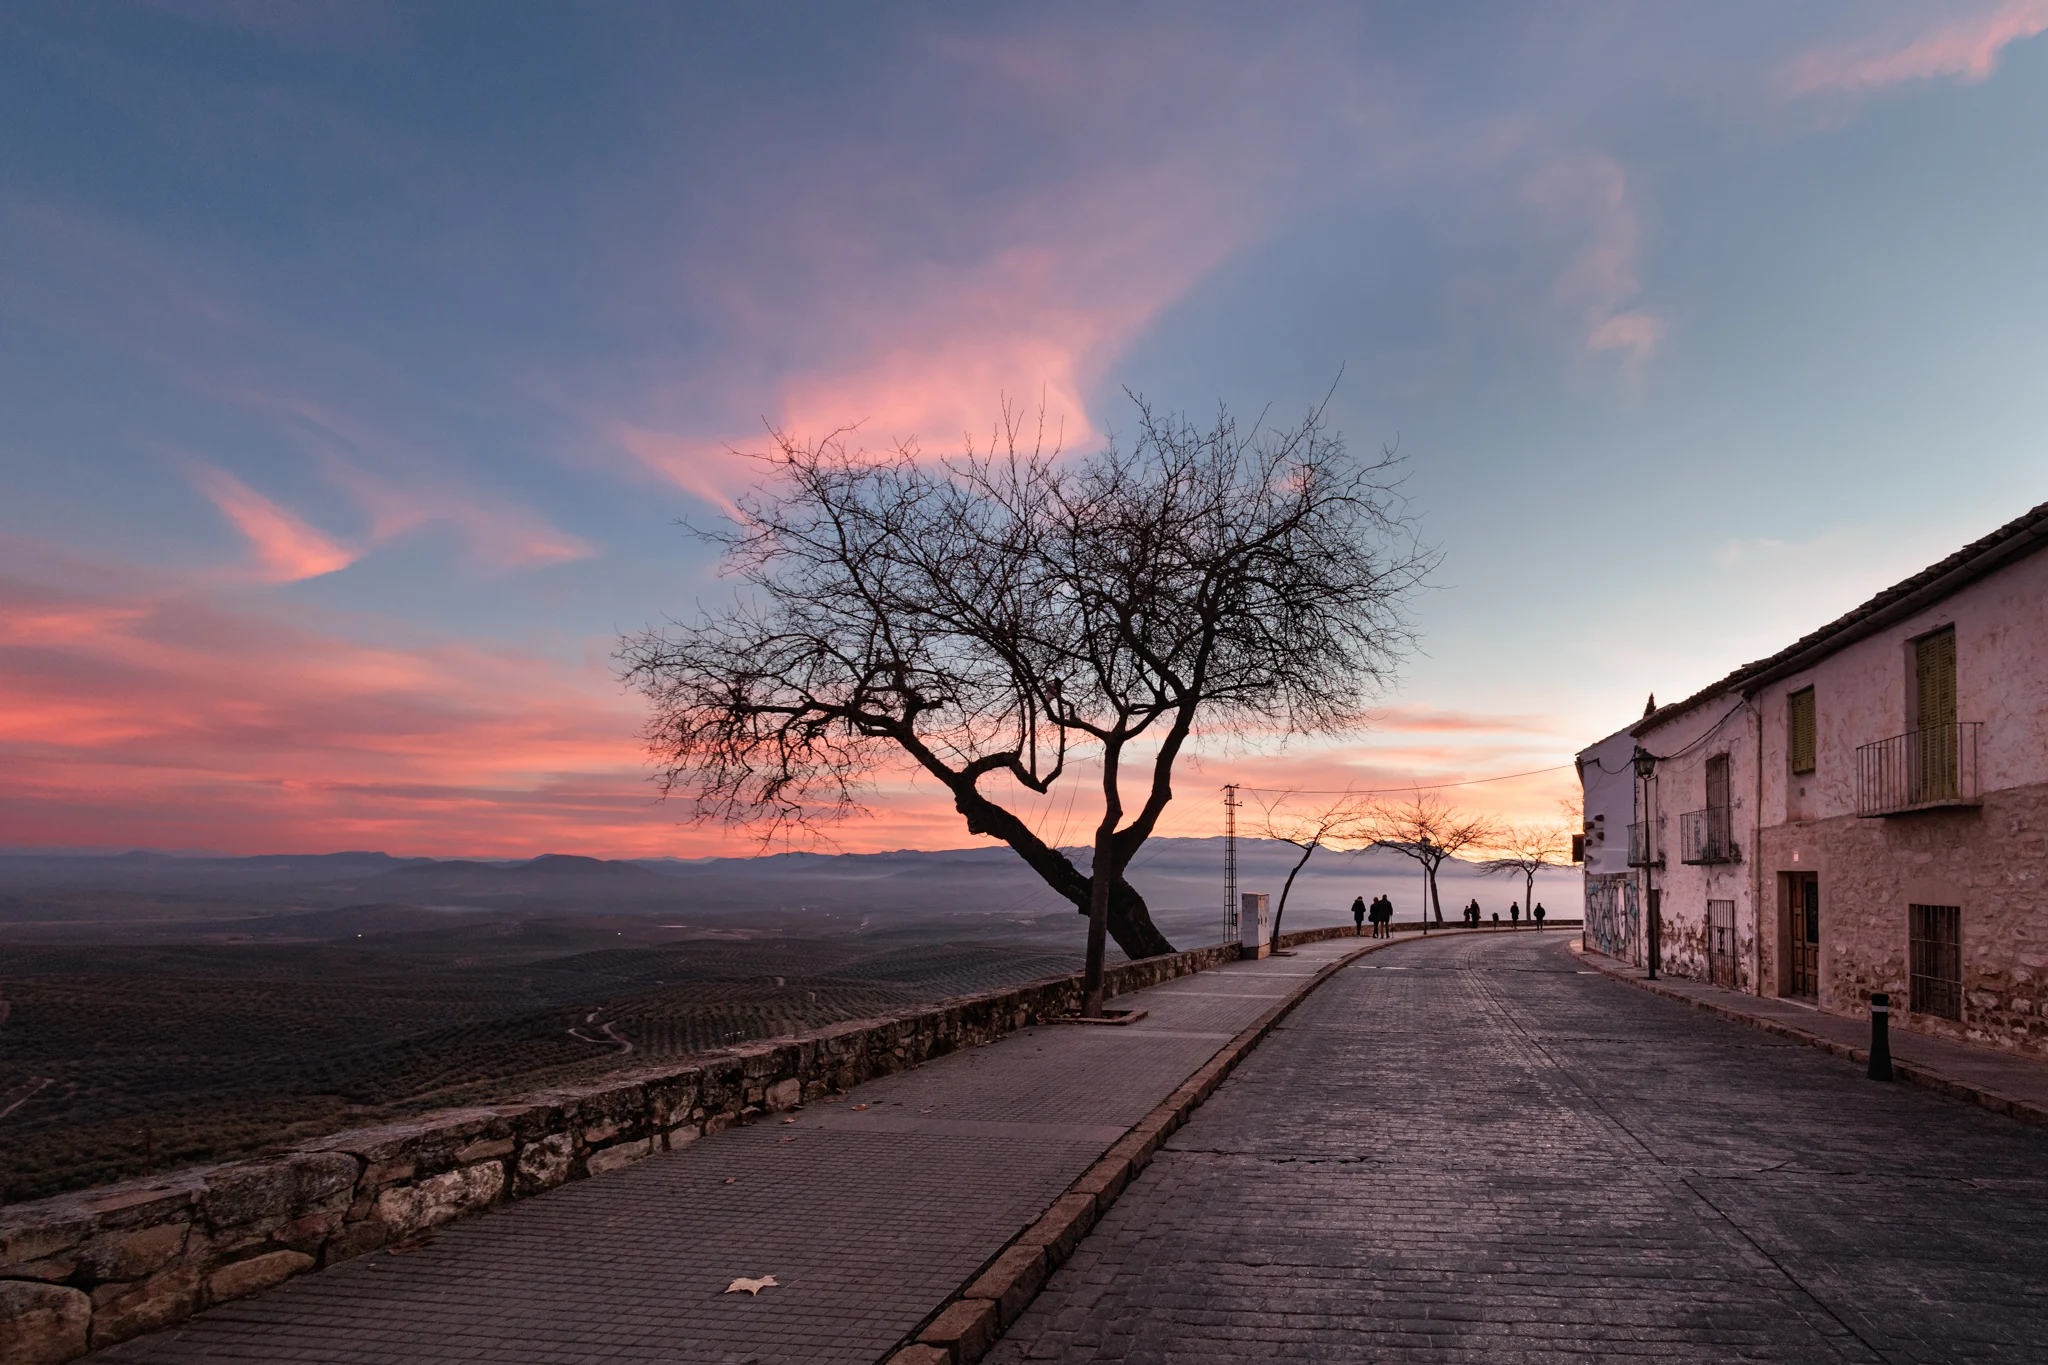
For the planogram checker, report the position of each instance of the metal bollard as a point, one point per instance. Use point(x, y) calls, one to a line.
point(1880, 1036)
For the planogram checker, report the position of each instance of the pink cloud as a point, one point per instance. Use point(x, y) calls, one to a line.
point(1600, 284)
point(930, 359)
point(1636, 335)
point(139, 708)
point(882, 295)
point(287, 549)
point(357, 456)
point(1967, 49)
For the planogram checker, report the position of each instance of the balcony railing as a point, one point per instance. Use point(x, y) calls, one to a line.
point(1926, 769)
point(1708, 836)
point(1642, 846)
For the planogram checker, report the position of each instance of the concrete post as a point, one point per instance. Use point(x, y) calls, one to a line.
point(1255, 924)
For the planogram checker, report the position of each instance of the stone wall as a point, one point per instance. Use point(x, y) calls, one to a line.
point(82, 1270)
point(1992, 862)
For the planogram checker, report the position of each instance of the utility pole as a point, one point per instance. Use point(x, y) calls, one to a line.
point(1230, 804)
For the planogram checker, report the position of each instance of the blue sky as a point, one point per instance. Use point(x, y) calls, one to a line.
point(357, 361)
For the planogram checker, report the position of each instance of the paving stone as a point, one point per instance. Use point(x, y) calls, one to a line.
point(1470, 1151)
point(868, 1219)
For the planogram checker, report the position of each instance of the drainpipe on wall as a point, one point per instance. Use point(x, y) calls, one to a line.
point(1756, 867)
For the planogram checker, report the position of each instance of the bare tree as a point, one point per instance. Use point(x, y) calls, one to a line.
point(1525, 850)
point(996, 616)
point(1308, 830)
point(1430, 830)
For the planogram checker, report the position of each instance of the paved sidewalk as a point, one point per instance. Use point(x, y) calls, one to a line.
point(1480, 1150)
point(1999, 1081)
point(869, 1213)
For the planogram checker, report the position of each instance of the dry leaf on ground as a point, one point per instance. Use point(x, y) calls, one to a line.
point(753, 1287)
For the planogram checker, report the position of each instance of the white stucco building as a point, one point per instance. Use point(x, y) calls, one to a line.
point(1865, 810)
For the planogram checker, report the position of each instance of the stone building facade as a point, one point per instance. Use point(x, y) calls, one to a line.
point(1866, 810)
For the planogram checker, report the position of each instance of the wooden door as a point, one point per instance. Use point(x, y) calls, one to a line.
point(1802, 964)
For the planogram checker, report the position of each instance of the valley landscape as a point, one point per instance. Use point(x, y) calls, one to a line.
point(165, 1010)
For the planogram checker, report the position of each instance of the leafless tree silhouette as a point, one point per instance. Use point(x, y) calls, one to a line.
point(1309, 828)
point(1525, 850)
point(1430, 830)
point(997, 616)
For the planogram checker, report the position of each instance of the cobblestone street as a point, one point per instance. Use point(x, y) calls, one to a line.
point(1476, 1150)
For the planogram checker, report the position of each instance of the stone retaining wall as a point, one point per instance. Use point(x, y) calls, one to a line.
point(79, 1271)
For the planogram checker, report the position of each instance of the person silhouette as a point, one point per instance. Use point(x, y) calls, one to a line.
point(1358, 916)
point(1538, 913)
point(1514, 913)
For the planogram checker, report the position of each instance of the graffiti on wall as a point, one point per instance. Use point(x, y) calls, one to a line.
point(1613, 922)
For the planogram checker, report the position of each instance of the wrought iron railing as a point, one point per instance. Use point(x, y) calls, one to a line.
point(1642, 845)
point(1708, 836)
point(1932, 766)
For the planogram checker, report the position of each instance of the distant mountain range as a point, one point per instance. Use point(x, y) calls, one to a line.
point(1182, 880)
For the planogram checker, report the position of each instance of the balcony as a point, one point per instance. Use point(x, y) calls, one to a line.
point(1708, 836)
point(1642, 845)
point(1928, 769)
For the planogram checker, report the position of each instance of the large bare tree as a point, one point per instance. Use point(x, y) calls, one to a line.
point(996, 618)
point(1430, 830)
point(1525, 850)
point(1308, 828)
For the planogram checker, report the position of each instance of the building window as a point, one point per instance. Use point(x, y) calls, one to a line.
point(1721, 942)
point(1937, 739)
point(1937, 960)
point(1799, 727)
point(1934, 680)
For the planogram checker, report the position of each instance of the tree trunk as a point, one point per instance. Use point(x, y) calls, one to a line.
point(1105, 870)
point(1130, 922)
point(1435, 901)
point(1284, 889)
point(1101, 891)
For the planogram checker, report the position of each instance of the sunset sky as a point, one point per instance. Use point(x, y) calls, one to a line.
point(358, 361)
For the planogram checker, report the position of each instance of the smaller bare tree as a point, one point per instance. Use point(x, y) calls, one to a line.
point(1308, 830)
point(1430, 830)
point(1525, 850)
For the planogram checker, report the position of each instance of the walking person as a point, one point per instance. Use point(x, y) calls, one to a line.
point(1538, 912)
point(1514, 913)
point(1383, 917)
point(1358, 916)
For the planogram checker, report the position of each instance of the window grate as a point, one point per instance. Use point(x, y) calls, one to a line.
point(1936, 950)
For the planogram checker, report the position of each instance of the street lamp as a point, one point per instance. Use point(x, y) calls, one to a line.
point(1424, 860)
point(1646, 768)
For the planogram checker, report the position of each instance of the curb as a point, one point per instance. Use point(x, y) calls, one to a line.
point(1912, 1073)
point(963, 1329)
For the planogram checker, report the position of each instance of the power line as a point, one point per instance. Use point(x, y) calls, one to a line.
point(1389, 791)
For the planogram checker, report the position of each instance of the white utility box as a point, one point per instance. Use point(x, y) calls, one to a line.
point(1254, 924)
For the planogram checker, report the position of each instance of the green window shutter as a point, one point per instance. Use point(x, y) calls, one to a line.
point(1934, 663)
point(1801, 739)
